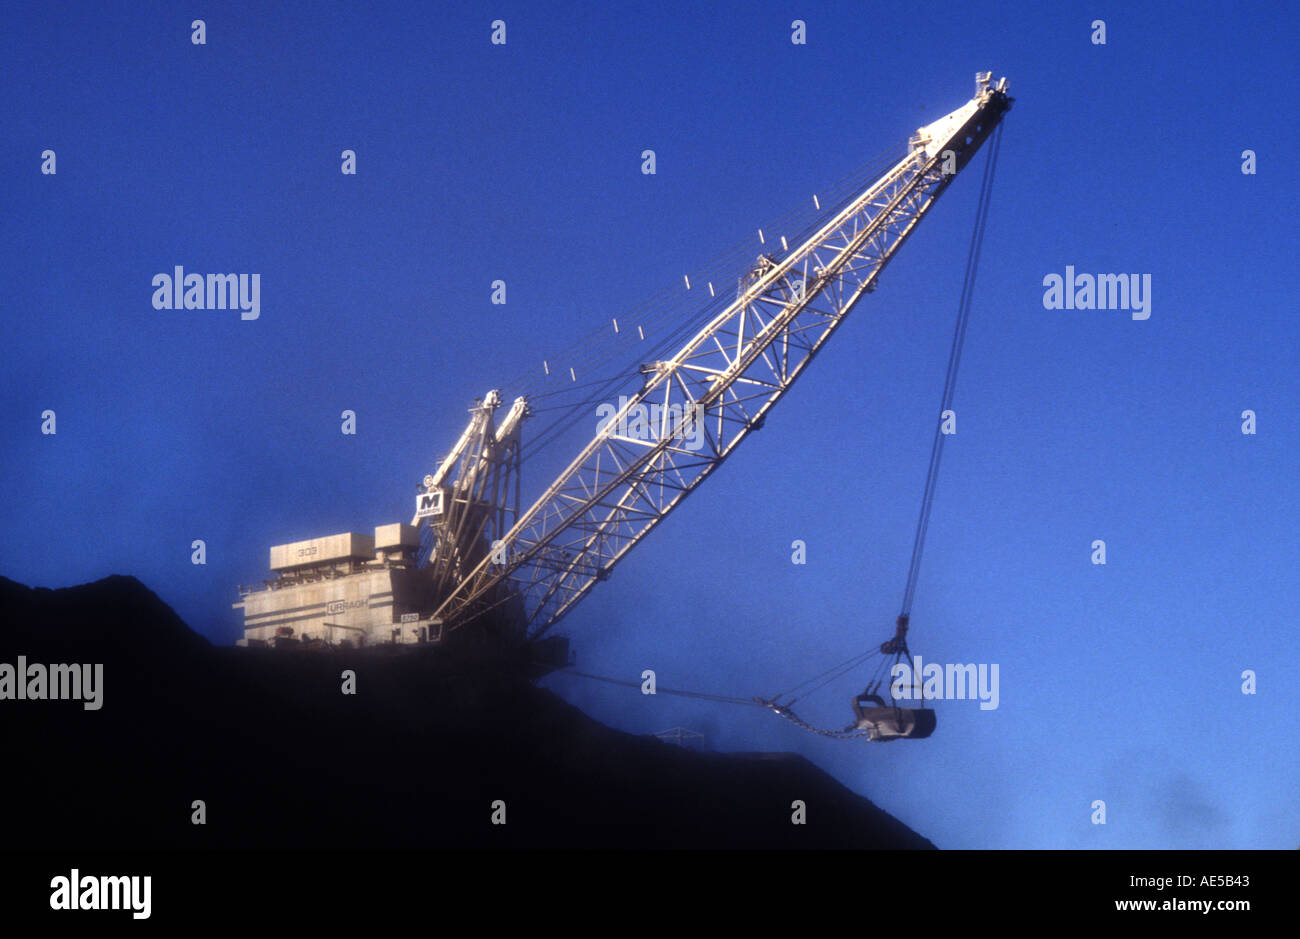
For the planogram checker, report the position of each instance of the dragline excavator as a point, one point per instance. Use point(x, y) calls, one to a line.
point(473, 552)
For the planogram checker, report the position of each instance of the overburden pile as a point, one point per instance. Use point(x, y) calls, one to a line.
point(281, 758)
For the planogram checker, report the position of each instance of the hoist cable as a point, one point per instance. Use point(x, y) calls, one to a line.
point(950, 380)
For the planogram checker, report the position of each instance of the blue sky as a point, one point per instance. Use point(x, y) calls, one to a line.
point(522, 162)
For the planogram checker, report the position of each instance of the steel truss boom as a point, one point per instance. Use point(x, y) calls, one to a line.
point(726, 377)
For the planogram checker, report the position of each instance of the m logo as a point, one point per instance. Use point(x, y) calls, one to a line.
point(428, 503)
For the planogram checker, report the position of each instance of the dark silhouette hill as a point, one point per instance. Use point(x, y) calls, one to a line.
point(283, 759)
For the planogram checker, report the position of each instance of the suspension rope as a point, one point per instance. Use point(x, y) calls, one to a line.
point(601, 345)
point(598, 353)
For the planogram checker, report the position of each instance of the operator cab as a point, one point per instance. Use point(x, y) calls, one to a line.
point(887, 722)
